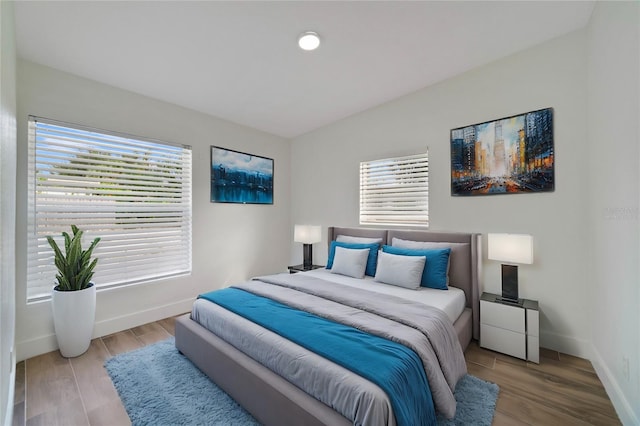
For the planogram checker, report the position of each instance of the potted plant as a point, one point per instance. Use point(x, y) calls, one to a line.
point(74, 297)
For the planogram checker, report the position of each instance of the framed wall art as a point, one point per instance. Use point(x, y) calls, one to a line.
point(510, 155)
point(238, 177)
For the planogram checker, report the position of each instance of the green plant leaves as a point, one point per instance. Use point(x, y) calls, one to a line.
point(75, 268)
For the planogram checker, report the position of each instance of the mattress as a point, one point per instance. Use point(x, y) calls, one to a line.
point(451, 302)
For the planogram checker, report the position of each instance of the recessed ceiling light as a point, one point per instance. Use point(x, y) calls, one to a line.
point(309, 41)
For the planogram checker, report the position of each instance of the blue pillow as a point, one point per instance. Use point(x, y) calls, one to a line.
point(435, 268)
point(372, 260)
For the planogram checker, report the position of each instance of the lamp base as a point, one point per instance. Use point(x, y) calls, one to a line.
point(510, 282)
point(307, 256)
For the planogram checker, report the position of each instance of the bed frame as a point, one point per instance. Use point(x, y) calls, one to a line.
point(271, 399)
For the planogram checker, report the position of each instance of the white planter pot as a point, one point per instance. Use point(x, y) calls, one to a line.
point(74, 314)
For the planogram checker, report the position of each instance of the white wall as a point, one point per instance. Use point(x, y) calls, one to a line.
point(231, 242)
point(325, 173)
point(613, 180)
point(7, 209)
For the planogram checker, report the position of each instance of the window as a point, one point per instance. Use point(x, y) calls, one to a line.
point(395, 191)
point(132, 192)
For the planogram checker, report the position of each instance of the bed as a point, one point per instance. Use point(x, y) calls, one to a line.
point(274, 400)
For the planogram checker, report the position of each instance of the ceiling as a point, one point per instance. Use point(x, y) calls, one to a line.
point(239, 60)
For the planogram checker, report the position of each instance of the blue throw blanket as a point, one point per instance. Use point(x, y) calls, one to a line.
point(395, 368)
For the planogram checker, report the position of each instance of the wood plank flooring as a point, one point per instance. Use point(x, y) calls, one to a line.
point(52, 390)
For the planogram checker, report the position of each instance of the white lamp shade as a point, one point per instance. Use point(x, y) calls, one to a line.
point(307, 234)
point(510, 248)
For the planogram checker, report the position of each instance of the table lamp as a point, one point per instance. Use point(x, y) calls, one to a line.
point(510, 248)
point(307, 235)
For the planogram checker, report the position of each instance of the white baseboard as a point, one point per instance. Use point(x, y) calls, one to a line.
point(47, 343)
point(113, 325)
point(8, 413)
point(617, 397)
point(566, 344)
point(36, 346)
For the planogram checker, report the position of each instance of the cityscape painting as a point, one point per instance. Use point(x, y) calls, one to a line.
point(510, 155)
point(237, 177)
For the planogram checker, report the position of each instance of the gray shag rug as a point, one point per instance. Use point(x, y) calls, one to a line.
point(160, 386)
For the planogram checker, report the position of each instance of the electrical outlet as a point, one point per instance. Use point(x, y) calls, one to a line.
point(625, 368)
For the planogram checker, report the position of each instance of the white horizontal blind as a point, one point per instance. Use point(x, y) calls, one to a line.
point(133, 193)
point(395, 191)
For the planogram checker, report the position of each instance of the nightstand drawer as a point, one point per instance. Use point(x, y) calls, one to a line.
point(502, 316)
point(501, 340)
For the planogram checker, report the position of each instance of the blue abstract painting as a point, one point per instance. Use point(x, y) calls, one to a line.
point(238, 177)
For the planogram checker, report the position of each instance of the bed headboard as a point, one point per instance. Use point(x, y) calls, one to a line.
point(465, 261)
point(334, 231)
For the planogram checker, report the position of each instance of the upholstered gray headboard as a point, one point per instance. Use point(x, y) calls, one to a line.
point(465, 261)
point(334, 231)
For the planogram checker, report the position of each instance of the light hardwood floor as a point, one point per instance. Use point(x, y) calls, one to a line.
point(561, 390)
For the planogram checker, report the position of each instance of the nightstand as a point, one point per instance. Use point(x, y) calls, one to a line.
point(509, 328)
point(299, 268)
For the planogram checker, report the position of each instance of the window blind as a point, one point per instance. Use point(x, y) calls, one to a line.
point(395, 191)
point(133, 193)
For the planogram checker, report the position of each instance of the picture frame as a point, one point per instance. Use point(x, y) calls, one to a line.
point(240, 177)
point(510, 155)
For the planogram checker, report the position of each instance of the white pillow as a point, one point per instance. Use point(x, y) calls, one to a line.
point(403, 271)
point(350, 262)
point(358, 240)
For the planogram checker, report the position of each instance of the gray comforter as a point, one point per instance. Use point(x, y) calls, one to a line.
point(426, 330)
